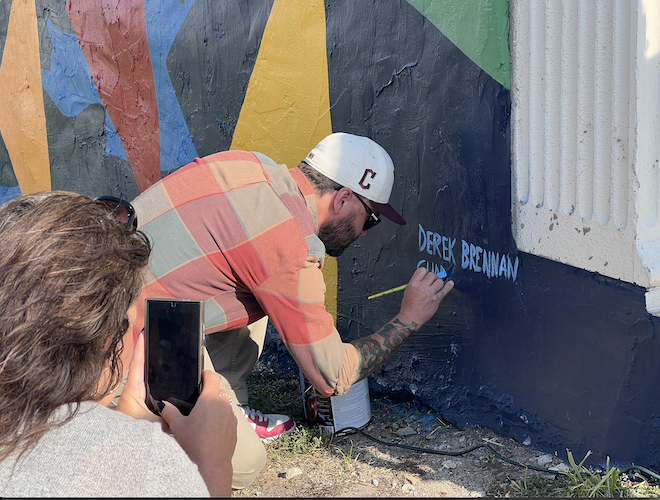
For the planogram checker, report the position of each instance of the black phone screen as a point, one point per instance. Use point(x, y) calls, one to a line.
point(173, 331)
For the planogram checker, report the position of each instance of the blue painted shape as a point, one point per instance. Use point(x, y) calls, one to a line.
point(164, 19)
point(114, 145)
point(9, 193)
point(69, 84)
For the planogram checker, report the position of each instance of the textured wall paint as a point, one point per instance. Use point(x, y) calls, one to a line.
point(478, 28)
point(405, 89)
point(213, 56)
point(286, 108)
point(23, 121)
point(86, 153)
point(568, 361)
point(8, 183)
point(164, 20)
point(113, 39)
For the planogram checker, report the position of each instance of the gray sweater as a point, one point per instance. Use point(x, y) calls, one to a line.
point(104, 453)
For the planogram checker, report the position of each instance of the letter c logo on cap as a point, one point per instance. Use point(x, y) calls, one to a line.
point(367, 172)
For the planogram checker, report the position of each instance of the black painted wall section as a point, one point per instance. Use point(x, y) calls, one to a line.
point(582, 351)
point(212, 58)
point(566, 361)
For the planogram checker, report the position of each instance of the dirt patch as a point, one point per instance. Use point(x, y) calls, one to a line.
point(417, 453)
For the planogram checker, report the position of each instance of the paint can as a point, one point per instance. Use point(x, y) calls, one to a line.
point(351, 409)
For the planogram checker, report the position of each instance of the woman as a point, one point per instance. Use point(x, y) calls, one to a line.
point(70, 274)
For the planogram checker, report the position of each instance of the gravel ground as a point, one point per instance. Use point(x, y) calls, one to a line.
point(355, 466)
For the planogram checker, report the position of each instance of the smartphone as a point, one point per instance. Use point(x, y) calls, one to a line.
point(174, 333)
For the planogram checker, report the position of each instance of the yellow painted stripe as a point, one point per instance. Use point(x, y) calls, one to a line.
point(22, 115)
point(286, 110)
point(330, 276)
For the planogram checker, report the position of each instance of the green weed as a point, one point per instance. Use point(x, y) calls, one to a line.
point(539, 487)
point(580, 482)
point(346, 456)
point(587, 484)
point(300, 441)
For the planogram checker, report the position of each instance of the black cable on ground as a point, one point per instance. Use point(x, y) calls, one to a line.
point(448, 453)
point(468, 450)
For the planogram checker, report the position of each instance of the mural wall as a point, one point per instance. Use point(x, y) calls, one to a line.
point(107, 96)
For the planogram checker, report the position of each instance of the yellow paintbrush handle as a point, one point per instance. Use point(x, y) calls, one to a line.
point(440, 275)
point(395, 289)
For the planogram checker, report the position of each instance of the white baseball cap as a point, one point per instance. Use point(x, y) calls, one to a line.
point(359, 164)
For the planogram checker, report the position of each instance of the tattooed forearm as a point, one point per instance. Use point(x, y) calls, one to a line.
point(377, 348)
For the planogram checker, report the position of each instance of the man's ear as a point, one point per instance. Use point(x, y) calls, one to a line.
point(340, 203)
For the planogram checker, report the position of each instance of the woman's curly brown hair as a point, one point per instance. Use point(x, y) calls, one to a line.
point(68, 274)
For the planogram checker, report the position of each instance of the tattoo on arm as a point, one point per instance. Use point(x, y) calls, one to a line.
point(377, 348)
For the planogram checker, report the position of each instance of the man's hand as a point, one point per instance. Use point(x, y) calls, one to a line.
point(422, 298)
point(420, 301)
point(132, 398)
point(208, 434)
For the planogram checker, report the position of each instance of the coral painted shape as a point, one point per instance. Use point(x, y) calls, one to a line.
point(112, 35)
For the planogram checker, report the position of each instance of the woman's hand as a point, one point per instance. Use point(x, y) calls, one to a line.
point(208, 434)
point(132, 400)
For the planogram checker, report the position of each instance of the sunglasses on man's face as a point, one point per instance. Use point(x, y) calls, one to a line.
point(373, 219)
point(122, 210)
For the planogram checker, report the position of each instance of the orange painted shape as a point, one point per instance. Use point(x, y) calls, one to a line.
point(113, 37)
point(22, 115)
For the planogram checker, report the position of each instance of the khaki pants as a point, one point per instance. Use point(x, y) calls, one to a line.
point(250, 455)
point(233, 354)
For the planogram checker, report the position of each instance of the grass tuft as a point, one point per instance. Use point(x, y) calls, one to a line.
point(580, 482)
point(587, 484)
point(346, 456)
point(537, 486)
point(301, 441)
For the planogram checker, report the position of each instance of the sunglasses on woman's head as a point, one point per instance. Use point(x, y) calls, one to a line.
point(122, 210)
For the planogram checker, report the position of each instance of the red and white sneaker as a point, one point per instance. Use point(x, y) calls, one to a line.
point(269, 426)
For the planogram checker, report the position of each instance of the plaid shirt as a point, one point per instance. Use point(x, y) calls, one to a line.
point(240, 232)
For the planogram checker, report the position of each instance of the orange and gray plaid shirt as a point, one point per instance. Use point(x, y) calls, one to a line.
point(240, 232)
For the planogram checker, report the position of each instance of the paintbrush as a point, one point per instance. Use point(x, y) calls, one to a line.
point(440, 275)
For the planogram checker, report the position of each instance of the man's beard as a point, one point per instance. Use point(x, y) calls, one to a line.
point(338, 235)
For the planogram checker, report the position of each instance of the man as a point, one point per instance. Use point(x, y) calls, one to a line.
point(249, 237)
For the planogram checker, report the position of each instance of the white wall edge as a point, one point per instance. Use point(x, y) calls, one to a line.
point(652, 297)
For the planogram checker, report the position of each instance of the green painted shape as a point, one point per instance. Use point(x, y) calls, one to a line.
point(479, 28)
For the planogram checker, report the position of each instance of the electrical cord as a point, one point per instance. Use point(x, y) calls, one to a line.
point(448, 453)
point(468, 450)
